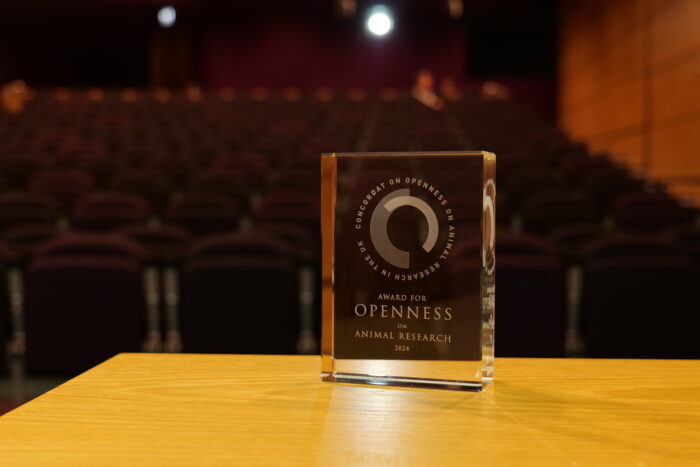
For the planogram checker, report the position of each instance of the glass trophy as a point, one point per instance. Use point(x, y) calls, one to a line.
point(408, 268)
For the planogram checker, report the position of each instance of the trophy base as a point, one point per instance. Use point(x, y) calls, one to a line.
point(424, 374)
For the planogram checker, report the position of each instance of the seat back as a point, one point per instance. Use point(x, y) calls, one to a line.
point(107, 211)
point(240, 305)
point(204, 214)
point(530, 302)
point(641, 306)
point(151, 184)
point(64, 185)
point(650, 212)
point(27, 208)
point(543, 213)
point(84, 303)
point(160, 244)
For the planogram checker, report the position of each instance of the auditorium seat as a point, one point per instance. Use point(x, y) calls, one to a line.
point(303, 181)
point(161, 244)
point(640, 300)
point(546, 211)
point(578, 165)
point(602, 186)
point(688, 239)
point(307, 252)
point(252, 164)
point(296, 238)
point(89, 243)
point(102, 170)
point(16, 170)
point(203, 214)
point(303, 210)
point(27, 208)
point(151, 184)
point(74, 153)
point(176, 167)
point(530, 316)
point(246, 243)
point(571, 240)
point(650, 211)
point(622, 244)
point(522, 184)
point(222, 182)
point(20, 242)
point(240, 295)
point(64, 185)
point(84, 302)
point(522, 244)
point(106, 211)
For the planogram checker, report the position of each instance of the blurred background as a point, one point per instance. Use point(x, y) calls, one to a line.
point(159, 167)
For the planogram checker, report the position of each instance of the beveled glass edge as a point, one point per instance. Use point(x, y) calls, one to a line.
point(488, 322)
point(399, 381)
point(329, 176)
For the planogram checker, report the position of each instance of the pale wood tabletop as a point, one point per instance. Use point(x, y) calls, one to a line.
point(151, 409)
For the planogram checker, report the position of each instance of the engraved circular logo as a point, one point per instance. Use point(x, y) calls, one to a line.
point(379, 223)
point(410, 230)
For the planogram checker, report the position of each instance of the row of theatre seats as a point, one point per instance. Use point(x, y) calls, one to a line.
point(193, 226)
point(88, 295)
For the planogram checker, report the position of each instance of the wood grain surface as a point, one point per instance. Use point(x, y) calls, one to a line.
point(150, 409)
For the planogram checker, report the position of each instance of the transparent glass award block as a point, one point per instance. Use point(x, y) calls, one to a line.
point(408, 268)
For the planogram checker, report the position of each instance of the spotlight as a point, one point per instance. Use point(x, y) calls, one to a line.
point(379, 21)
point(167, 16)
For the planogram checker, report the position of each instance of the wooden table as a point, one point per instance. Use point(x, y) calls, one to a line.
point(150, 409)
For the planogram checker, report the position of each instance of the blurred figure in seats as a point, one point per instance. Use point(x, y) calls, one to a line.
point(424, 90)
point(194, 92)
point(494, 91)
point(13, 96)
point(95, 94)
point(449, 90)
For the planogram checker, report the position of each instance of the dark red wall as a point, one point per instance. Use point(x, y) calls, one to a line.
point(318, 49)
point(244, 48)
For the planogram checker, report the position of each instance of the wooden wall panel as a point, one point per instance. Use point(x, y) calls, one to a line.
point(629, 84)
point(675, 150)
point(627, 149)
point(676, 91)
point(608, 56)
point(675, 29)
point(614, 109)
